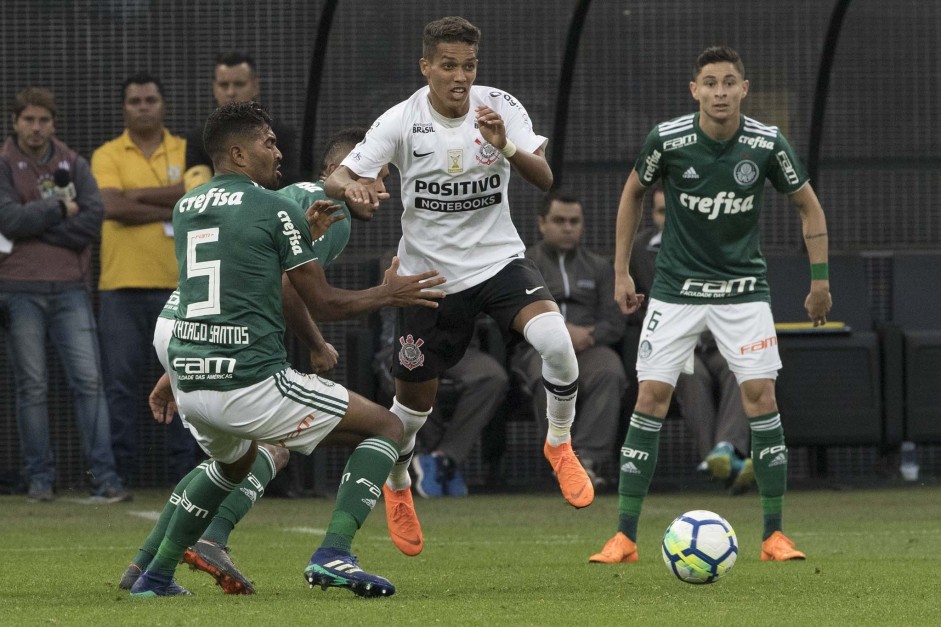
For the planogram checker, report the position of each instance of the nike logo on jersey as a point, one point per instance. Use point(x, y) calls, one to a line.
point(690, 173)
point(415, 153)
point(533, 290)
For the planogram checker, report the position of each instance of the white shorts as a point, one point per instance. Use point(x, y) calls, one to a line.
point(163, 331)
point(744, 333)
point(289, 409)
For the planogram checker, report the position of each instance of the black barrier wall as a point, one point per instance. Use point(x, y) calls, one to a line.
point(879, 147)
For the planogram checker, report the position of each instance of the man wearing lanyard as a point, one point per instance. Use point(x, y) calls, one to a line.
point(140, 174)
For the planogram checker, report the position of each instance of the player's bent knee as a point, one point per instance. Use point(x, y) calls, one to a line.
point(239, 469)
point(653, 398)
point(548, 335)
point(758, 397)
point(392, 427)
point(279, 455)
point(368, 419)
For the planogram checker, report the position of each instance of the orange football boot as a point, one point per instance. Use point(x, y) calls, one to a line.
point(573, 480)
point(404, 528)
point(778, 547)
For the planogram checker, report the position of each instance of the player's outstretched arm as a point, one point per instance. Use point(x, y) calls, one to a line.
point(326, 302)
point(814, 227)
point(413, 289)
point(630, 210)
point(355, 191)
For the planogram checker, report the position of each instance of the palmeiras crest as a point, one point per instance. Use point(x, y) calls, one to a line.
point(745, 172)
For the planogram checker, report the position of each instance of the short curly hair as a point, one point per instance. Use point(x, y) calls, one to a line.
point(232, 120)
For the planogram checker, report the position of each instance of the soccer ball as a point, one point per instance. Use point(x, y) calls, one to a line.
point(699, 547)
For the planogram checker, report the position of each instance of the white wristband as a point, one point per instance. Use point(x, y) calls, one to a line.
point(509, 149)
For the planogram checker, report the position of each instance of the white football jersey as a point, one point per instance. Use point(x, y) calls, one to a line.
point(456, 216)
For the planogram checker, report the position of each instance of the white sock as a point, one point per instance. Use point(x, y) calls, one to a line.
point(412, 421)
point(548, 335)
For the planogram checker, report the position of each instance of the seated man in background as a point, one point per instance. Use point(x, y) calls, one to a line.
point(711, 404)
point(582, 283)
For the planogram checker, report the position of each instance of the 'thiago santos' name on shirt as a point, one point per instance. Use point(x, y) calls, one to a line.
point(211, 333)
point(218, 197)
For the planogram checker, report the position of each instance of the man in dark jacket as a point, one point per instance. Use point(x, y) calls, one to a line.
point(235, 79)
point(50, 214)
point(582, 283)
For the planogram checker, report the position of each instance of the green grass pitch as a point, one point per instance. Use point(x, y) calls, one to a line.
point(493, 560)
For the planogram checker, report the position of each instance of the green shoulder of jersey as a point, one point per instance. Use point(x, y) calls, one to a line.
point(329, 246)
point(714, 190)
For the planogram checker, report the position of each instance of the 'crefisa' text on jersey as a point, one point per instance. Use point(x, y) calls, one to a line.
point(711, 249)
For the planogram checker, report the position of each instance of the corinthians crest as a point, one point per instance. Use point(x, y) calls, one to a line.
point(487, 153)
point(410, 355)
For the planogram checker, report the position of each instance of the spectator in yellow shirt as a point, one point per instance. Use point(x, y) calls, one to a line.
point(140, 174)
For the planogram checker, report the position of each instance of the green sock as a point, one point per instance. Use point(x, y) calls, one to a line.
point(638, 461)
point(627, 524)
point(360, 489)
point(769, 456)
point(152, 543)
point(201, 498)
point(242, 499)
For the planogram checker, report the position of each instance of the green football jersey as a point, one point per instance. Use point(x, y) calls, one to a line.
point(233, 240)
point(329, 246)
point(711, 250)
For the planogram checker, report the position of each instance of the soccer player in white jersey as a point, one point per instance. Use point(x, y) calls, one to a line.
point(711, 275)
point(454, 145)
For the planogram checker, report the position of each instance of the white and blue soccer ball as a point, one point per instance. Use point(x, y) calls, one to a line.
point(699, 547)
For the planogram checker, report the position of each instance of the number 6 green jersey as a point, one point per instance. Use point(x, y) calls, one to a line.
point(710, 250)
point(233, 240)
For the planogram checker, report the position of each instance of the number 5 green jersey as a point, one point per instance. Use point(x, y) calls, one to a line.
point(710, 250)
point(233, 240)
